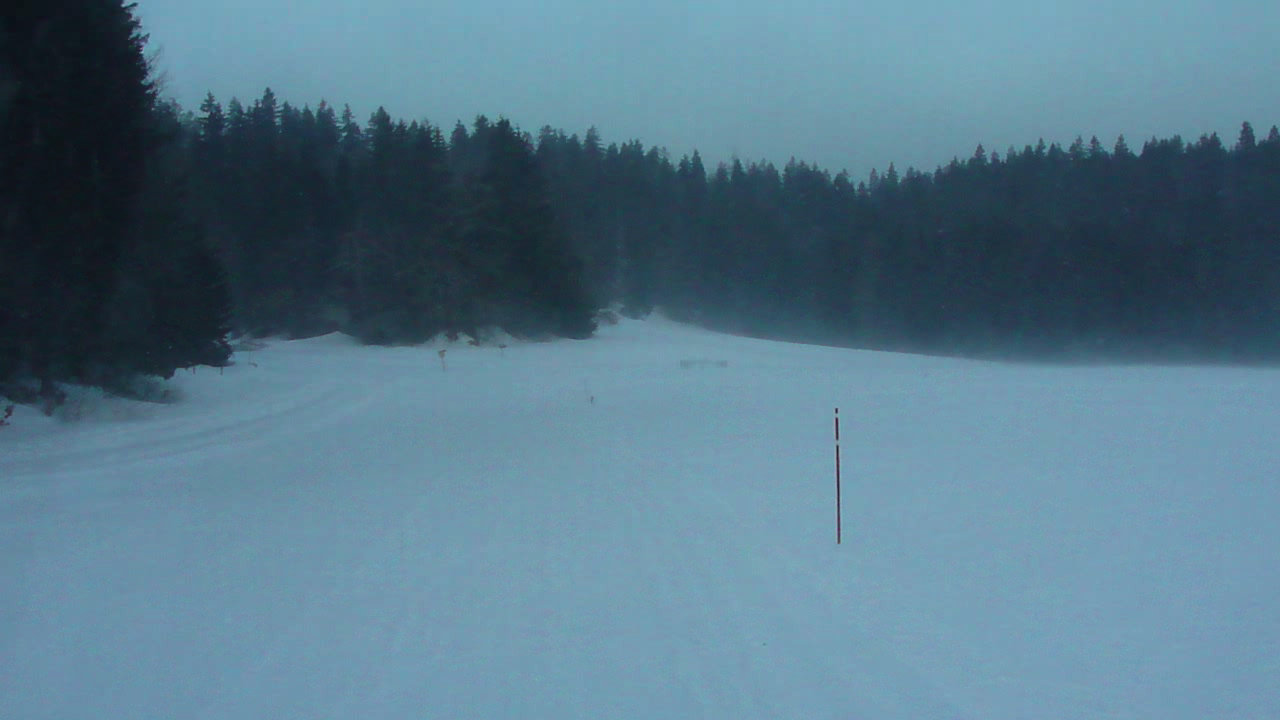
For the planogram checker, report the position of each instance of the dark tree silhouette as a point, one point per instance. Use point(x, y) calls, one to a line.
point(79, 137)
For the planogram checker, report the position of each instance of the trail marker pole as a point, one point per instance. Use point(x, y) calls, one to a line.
point(838, 476)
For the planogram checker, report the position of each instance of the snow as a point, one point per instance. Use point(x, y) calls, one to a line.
point(641, 525)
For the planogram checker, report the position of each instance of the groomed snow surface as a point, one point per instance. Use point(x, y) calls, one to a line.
point(642, 526)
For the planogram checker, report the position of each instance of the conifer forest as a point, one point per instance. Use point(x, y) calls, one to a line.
point(138, 236)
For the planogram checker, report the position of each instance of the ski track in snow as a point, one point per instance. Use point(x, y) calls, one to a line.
point(641, 525)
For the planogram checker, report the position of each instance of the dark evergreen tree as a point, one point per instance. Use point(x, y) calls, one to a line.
point(533, 281)
point(73, 144)
point(171, 307)
point(404, 269)
point(79, 141)
point(1247, 141)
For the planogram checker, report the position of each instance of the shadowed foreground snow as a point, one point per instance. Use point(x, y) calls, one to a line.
point(641, 526)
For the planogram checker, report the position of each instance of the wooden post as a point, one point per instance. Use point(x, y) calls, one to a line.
point(838, 529)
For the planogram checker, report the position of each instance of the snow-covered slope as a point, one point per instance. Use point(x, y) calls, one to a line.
point(642, 526)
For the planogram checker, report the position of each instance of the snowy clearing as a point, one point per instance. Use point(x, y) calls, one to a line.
point(642, 526)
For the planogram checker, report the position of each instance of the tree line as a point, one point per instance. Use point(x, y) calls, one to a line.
point(135, 234)
point(1083, 252)
point(382, 229)
point(1078, 252)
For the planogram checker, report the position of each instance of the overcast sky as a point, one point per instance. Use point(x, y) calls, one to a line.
point(848, 84)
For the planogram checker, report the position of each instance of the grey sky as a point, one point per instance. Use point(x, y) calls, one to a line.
point(847, 84)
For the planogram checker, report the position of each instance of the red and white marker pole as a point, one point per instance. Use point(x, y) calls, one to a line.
point(837, 476)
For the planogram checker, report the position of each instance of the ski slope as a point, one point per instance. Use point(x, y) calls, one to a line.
point(642, 526)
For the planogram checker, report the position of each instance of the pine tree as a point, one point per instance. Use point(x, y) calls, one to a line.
point(1122, 149)
point(1247, 140)
point(72, 155)
point(539, 287)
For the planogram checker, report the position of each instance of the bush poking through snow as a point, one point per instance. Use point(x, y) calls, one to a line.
point(8, 413)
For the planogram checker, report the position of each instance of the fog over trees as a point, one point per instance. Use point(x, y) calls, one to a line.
point(135, 234)
point(394, 232)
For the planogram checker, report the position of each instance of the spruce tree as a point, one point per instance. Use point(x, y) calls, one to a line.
point(103, 274)
point(73, 142)
point(539, 286)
